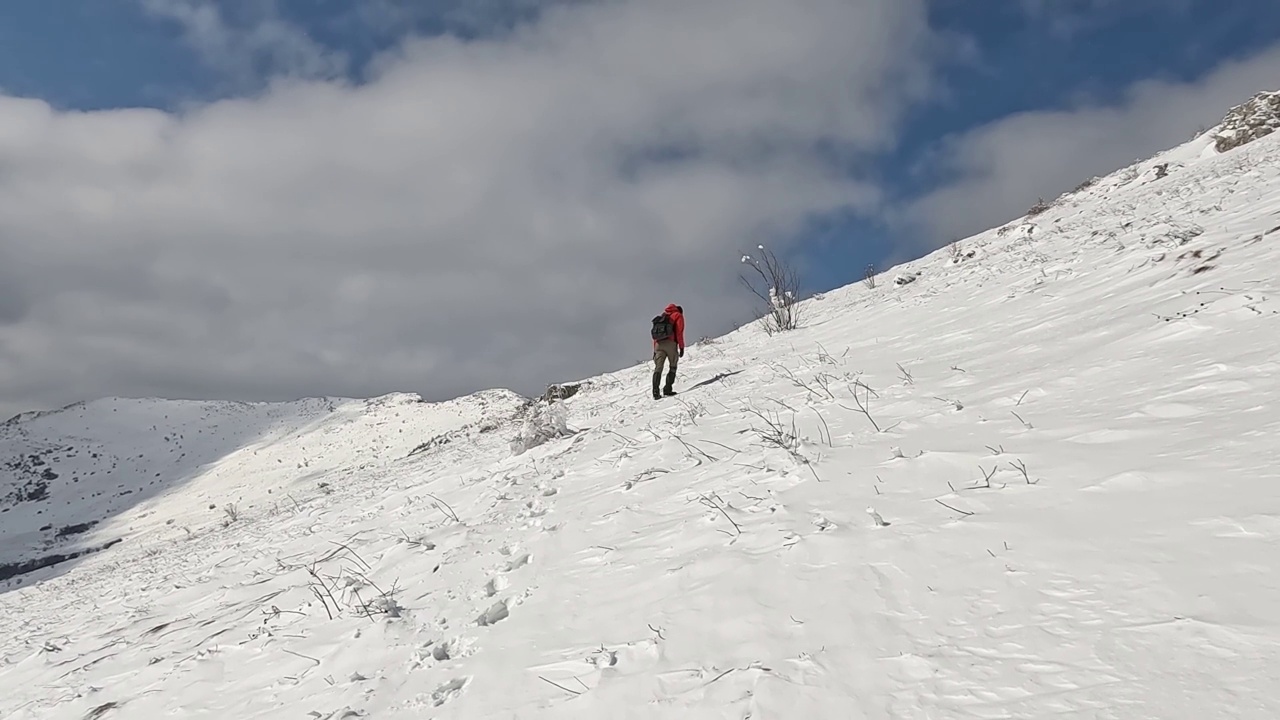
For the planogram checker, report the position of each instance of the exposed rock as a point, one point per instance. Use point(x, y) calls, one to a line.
point(1245, 123)
point(17, 569)
point(562, 391)
point(1040, 207)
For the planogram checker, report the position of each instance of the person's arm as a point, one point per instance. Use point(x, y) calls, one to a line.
point(680, 331)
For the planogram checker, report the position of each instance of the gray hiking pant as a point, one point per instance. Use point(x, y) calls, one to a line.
point(666, 353)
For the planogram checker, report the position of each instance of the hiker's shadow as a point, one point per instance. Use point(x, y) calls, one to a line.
point(714, 379)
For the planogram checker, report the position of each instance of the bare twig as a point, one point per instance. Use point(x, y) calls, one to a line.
point(775, 434)
point(316, 591)
point(779, 402)
point(823, 384)
point(317, 581)
point(692, 449)
point(823, 420)
point(1024, 422)
point(726, 447)
point(410, 541)
point(553, 682)
point(625, 439)
point(713, 504)
point(1024, 394)
point(864, 403)
point(986, 479)
point(1022, 468)
point(823, 380)
point(448, 511)
point(907, 377)
point(726, 672)
point(962, 512)
point(353, 553)
point(693, 410)
point(304, 657)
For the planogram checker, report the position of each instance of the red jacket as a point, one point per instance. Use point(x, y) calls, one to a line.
point(677, 318)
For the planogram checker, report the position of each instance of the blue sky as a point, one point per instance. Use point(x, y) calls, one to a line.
point(263, 199)
point(1069, 54)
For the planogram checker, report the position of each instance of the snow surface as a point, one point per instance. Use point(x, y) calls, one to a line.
point(1063, 501)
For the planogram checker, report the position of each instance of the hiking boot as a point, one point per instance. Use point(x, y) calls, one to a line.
point(668, 392)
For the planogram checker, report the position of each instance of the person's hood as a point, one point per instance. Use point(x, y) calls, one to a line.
point(673, 309)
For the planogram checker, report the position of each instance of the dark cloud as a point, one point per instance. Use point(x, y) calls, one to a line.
point(13, 300)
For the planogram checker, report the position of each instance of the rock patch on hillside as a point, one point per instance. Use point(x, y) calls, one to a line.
point(1245, 123)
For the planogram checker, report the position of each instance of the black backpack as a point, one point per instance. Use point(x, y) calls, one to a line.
point(663, 327)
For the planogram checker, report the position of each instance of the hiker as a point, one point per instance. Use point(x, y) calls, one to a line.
point(668, 347)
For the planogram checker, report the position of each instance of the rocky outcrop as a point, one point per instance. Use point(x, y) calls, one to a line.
point(562, 391)
point(1245, 123)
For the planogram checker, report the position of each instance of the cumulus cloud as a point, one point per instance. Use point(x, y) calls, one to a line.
point(999, 170)
point(502, 212)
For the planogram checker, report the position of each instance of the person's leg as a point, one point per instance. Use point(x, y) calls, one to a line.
point(673, 360)
point(659, 359)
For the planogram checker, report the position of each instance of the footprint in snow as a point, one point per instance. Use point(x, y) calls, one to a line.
point(517, 563)
point(449, 691)
point(495, 586)
point(532, 509)
point(458, 647)
point(629, 659)
point(495, 614)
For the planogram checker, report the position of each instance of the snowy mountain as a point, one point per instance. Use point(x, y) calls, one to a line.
point(1031, 475)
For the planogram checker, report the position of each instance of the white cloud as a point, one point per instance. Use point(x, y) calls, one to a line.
point(502, 212)
point(263, 43)
point(999, 170)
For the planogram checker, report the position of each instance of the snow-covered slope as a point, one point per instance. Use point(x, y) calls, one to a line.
point(1038, 478)
point(180, 465)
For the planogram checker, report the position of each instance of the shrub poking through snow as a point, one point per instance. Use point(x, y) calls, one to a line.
point(546, 421)
point(959, 254)
point(777, 283)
